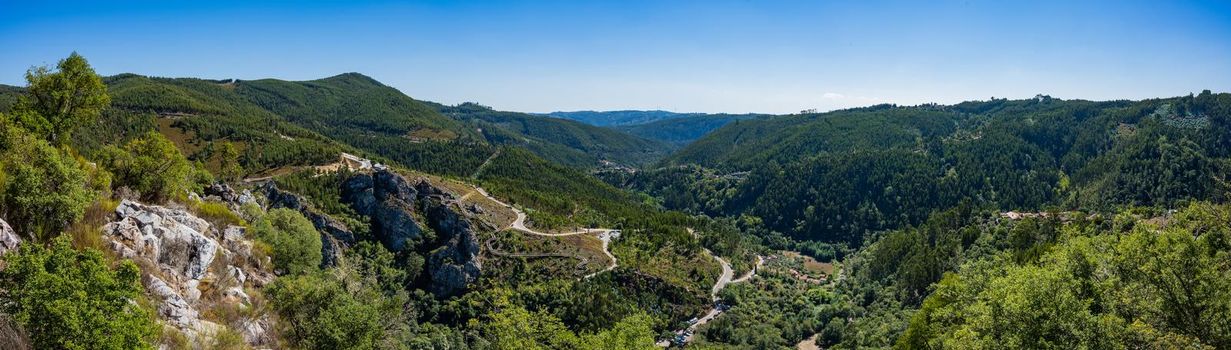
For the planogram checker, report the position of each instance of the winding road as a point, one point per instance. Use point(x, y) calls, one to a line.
point(604, 234)
point(724, 279)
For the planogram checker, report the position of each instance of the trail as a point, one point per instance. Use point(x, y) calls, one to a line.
point(604, 234)
point(479, 170)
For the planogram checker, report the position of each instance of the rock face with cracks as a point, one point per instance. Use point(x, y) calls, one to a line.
point(9, 240)
point(395, 206)
point(189, 265)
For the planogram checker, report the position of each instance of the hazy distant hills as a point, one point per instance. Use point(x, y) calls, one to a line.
point(670, 127)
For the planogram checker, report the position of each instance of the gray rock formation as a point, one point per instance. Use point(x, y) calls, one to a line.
point(178, 253)
point(389, 200)
point(9, 240)
point(334, 233)
point(174, 238)
point(455, 264)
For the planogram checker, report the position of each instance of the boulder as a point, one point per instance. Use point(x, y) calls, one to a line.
point(387, 184)
point(394, 225)
point(173, 308)
point(389, 201)
point(173, 238)
point(9, 240)
point(358, 192)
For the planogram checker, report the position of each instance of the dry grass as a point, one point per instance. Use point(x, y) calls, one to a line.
point(87, 232)
point(216, 213)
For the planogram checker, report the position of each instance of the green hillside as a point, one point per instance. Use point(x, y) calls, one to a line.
point(837, 176)
point(684, 130)
point(560, 140)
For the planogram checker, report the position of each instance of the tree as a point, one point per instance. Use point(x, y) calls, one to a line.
point(44, 189)
point(151, 165)
point(228, 162)
point(68, 299)
point(294, 242)
point(62, 100)
point(318, 311)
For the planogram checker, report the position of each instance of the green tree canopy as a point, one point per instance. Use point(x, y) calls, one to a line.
point(68, 299)
point(150, 165)
point(44, 189)
point(294, 242)
point(62, 100)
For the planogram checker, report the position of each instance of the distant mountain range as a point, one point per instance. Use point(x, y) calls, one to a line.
point(675, 128)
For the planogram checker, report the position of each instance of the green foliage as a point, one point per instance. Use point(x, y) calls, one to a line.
point(150, 165)
point(562, 141)
point(44, 188)
point(324, 190)
point(295, 243)
point(318, 311)
point(513, 327)
point(1158, 287)
point(68, 299)
point(228, 162)
point(835, 177)
point(684, 130)
point(198, 112)
point(60, 101)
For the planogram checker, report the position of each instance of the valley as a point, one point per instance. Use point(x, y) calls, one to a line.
point(341, 213)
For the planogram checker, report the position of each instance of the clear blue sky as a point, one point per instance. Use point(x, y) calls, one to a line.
point(708, 56)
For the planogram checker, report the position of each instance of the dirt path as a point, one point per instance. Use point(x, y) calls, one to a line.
point(479, 170)
point(809, 344)
point(603, 234)
point(750, 273)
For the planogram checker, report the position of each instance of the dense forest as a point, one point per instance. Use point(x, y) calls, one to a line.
point(340, 213)
point(835, 177)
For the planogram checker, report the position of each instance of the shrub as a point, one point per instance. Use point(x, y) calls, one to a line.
point(44, 189)
point(150, 165)
point(294, 242)
point(69, 299)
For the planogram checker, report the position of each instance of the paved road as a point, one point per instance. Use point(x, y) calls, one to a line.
point(724, 279)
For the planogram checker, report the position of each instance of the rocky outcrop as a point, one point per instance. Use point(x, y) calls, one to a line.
point(9, 240)
point(173, 238)
point(389, 200)
point(334, 233)
point(224, 193)
point(455, 264)
point(179, 253)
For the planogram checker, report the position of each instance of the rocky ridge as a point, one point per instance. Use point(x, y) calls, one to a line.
point(189, 265)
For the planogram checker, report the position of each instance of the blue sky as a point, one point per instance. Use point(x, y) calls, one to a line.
point(705, 56)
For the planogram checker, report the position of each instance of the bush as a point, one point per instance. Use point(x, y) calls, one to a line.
point(69, 299)
point(318, 311)
point(150, 165)
point(294, 242)
point(44, 189)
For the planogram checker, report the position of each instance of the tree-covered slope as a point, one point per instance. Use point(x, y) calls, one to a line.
point(684, 130)
point(560, 140)
point(837, 176)
point(618, 118)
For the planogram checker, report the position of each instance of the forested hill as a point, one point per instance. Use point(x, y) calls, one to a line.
point(684, 130)
point(836, 176)
point(560, 140)
point(618, 118)
point(361, 112)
